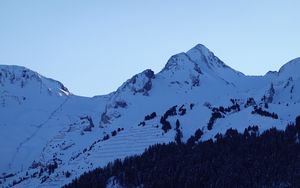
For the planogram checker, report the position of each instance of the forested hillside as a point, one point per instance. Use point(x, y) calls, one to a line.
point(252, 159)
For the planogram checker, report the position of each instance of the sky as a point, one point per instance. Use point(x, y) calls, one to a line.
point(92, 47)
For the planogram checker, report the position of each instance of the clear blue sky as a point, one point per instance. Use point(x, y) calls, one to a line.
point(94, 46)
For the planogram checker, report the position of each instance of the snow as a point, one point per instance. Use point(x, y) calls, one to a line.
point(42, 122)
point(290, 69)
point(112, 183)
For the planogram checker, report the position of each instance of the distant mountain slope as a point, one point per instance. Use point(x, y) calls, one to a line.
point(49, 136)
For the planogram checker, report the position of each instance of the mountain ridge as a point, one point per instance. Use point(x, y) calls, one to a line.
point(203, 50)
point(49, 133)
point(22, 75)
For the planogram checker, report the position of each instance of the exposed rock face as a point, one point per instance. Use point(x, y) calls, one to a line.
point(139, 84)
point(270, 94)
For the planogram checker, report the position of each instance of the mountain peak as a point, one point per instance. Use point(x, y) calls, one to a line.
point(197, 61)
point(201, 55)
point(201, 49)
point(20, 77)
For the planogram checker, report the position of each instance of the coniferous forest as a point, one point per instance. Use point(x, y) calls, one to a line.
point(251, 159)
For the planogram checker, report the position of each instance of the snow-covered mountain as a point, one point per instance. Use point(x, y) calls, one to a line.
point(49, 136)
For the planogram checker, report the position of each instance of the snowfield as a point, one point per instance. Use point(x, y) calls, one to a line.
point(49, 136)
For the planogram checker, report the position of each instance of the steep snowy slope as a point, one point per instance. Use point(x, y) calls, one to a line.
point(26, 99)
point(34, 109)
point(50, 136)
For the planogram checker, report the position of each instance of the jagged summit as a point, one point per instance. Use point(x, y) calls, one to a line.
point(180, 68)
point(201, 56)
point(186, 69)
